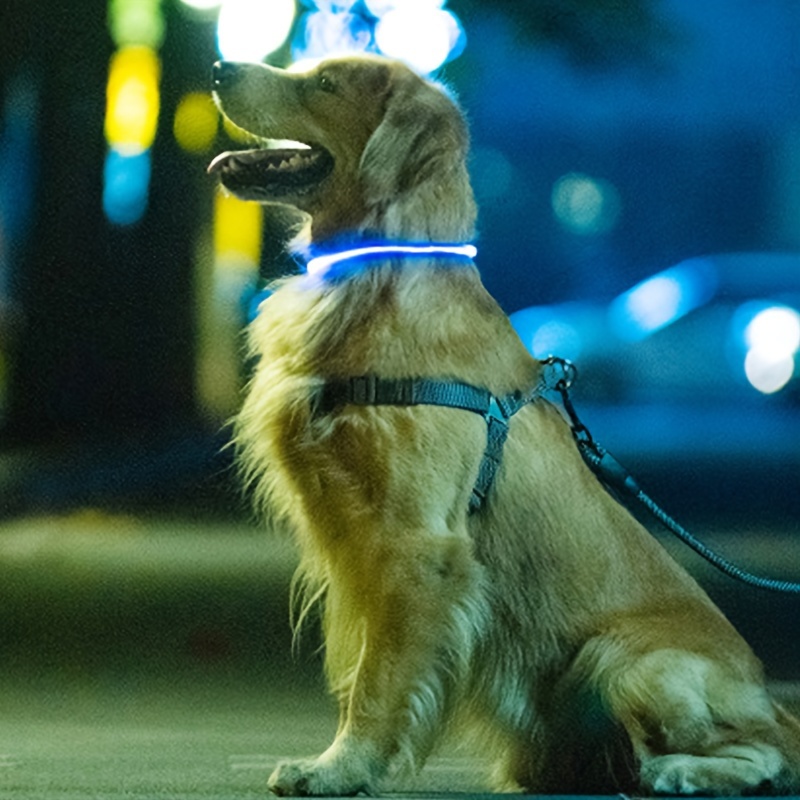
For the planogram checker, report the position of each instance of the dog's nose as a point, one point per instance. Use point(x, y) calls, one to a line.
point(224, 73)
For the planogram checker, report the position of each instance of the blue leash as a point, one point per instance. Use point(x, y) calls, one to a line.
point(612, 474)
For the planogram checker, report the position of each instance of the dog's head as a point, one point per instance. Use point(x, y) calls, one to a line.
point(378, 149)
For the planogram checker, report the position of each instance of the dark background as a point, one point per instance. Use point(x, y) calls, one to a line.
point(689, 110)
point(144, 638)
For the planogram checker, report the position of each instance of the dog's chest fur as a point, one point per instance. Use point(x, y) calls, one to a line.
point(424, 321)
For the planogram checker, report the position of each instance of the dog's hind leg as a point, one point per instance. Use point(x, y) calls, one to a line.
point(698, 727)
point(399, 626)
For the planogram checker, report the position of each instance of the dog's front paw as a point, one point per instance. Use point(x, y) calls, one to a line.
point(335, 773)
point(308, 778)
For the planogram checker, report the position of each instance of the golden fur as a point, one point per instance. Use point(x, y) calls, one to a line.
point(551, 619)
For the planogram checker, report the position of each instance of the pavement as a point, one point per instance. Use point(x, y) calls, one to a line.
point(150, 657)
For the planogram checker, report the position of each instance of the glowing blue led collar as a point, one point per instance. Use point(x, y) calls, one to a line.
point(322, 263)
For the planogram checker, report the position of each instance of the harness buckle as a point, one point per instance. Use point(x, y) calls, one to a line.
point(495, 411)
point(364, 390)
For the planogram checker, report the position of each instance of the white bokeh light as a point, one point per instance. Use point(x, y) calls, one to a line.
point(249, 30)
point(420, 34)
point(202, 5)
point(380, 7)
point(775, 330)
point(772, 338)
point(768, 375)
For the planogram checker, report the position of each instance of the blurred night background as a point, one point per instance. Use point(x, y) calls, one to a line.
point(637, 169)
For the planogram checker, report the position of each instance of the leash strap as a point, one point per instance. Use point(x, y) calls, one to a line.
point(370, 390)
point(614, 476)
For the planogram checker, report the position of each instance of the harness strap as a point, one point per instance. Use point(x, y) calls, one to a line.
point(370, 390)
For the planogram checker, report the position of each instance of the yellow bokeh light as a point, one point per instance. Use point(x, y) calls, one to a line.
point(196, 122)
point(136, 22)
point(237, 231)
point(132, 99)
point(239, 135)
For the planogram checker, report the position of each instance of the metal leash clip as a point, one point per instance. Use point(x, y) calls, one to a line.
point(559, 376)
point(560, 373)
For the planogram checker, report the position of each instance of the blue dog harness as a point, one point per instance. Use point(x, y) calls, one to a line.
point(370, 390)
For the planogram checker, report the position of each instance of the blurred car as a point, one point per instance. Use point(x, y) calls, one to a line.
point(697, 361)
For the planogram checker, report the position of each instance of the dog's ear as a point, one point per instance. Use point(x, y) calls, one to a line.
point(416, 161)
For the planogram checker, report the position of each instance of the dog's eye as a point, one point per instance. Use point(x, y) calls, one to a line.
point(326, 84)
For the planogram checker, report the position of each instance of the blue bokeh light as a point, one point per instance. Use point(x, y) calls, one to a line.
point(322, 34)
point(566, 330)
point(663, 298)
point(126, 184)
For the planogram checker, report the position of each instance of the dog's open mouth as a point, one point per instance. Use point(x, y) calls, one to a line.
point(264, 174)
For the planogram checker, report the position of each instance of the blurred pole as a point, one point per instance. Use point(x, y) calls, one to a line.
point(106, 338)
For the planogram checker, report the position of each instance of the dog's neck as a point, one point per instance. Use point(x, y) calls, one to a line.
point(332, 262)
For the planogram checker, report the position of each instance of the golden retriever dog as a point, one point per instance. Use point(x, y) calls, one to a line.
point(548, 620)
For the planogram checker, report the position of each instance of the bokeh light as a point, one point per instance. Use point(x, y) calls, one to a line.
point(653, 303)
point(766, 374)
point(196, 122)
point(249, 30)
point(775, 330)
point(422, 35)
point(126, 183)
point(237, 232)
point(334, 6)
point(380, 7)
point(585, 205)
point(132, 99)
point(662, 299)
point(202, 5)
point(557, 337)
point(565, 330)
point(772, 340)
point(322, 34)
point(136, 22)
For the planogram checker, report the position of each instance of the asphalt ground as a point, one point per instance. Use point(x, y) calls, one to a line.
point(151, 658)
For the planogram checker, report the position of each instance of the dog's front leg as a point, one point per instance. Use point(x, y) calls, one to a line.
point(399, 630)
